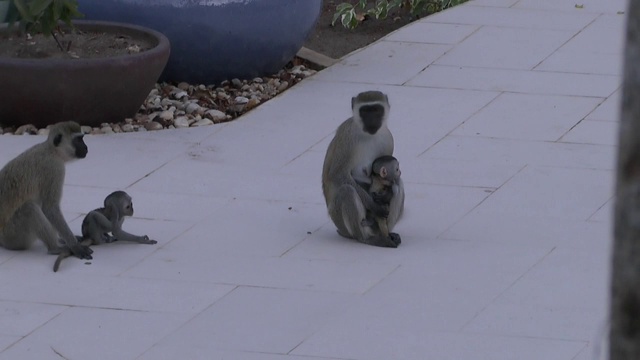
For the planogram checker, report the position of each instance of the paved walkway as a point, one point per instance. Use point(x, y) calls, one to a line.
point(504, 114)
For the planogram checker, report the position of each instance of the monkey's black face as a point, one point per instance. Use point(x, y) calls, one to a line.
point(372, 117)
point(80, 146)
point(128, 210)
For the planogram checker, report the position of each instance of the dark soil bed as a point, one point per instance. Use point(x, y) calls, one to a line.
point(77, 44)
point(336, 41)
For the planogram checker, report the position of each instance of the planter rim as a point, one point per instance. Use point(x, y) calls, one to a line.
point(163, 42)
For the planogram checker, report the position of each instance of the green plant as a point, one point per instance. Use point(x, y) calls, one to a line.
point(351, 16)
point(44, 16)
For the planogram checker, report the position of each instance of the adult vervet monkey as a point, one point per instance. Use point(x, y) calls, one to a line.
point(358, 141)
point(31, 190)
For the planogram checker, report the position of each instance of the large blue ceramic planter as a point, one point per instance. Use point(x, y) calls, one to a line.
point(214, 40)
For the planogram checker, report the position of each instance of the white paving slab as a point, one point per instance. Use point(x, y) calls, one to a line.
point(548, 117)
point(514, 18)
point(609, 110)
point(588, 6)
point(388, 62)
point(86, 330)
point(519, 81)
point(522, 152)
point(593, 51)
point(527, 309)
point(576, 193)
point(504, 114)
point(432, 33)
point(506, 48)
point(593, 132)
point(257, 320)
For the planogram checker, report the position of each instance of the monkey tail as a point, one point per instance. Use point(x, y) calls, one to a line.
point(61, 256)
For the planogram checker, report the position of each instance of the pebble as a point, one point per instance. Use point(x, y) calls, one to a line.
point(166, 115)
point(180, 94)
point(170, 106)
point(191, 108)
point(152, 125)
point(202, 122)
point(283, 86)
point(181, 122)
point(26, 130)
point(241, 100)
point(216, 115)
point(252, 103)
point(106, 130)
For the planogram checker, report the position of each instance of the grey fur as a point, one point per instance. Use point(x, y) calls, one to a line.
point(385, 177)
point(31, 190)
point(347, 168)
point(98, 223)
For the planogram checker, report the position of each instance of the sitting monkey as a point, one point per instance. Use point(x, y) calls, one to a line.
point(104, 225)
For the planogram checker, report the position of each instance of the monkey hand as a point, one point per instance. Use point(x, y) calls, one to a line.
point(382, 198)
point(381, 211)
point(81, 251)
point(146, 240)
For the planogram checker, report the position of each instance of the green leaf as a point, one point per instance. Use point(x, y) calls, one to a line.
point(341, 8)
point(346, 19)
point(354, 23)
point(383, 13)
point(58, 8)
point(23, 10)
point(39, 6)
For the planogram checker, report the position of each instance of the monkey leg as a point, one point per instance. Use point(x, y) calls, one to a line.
point(96, 227)
point(382, 225)
point(350, 217)
point(26, 225)
point(396, 206)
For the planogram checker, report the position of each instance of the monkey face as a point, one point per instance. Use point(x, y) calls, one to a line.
point(372, 117)
point(128, 209)
point(79, 146)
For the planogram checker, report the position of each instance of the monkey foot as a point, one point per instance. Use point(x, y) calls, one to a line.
point(81, 251)
point(395, 238)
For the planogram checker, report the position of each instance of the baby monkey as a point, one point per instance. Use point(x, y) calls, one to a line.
point(385, 174)
point(104, 225)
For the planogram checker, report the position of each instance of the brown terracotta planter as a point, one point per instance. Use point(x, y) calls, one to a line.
point(89, 91)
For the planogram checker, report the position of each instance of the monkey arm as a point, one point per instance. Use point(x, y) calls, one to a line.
point(368, 201)
point(54, 215)
point(101, 220)
point(122, 235)
point(384, 196)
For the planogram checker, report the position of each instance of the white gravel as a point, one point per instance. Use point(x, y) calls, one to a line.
point(170, 106)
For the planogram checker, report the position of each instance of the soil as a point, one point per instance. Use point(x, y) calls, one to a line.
point(337, 41)
point(77, 44)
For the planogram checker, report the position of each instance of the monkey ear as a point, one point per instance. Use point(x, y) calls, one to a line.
point(353, 102)
point(57, 140)
point(383, 172)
